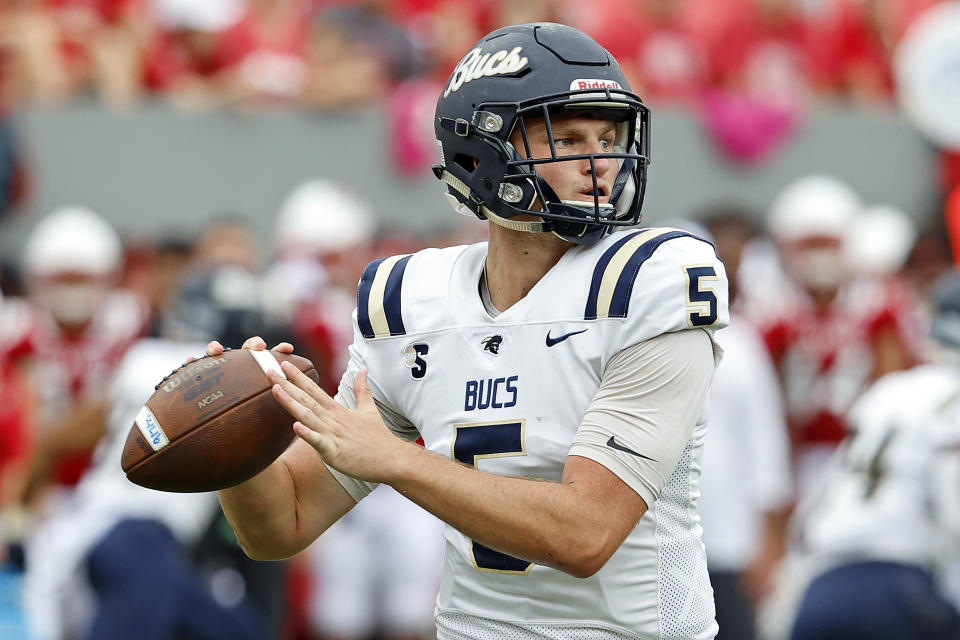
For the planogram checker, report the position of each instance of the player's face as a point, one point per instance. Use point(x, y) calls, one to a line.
point(573, 135)
point(71, 299)
point(817, 263)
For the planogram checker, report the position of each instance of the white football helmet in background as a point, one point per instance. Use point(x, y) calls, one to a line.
point(809, 220)
point(71, 261)
point(879, 240)
point(321, 216)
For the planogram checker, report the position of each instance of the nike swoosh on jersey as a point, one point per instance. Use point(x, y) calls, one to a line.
point(613, 444)
point(553, 341)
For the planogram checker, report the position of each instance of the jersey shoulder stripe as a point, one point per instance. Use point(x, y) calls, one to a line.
point(378, 298)
point(617, 268)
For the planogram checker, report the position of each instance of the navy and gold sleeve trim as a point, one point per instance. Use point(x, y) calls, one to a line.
point(617, 269)
point(378, 298)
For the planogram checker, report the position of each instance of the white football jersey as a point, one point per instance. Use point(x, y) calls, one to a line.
point(892, 493)
point(507, 394)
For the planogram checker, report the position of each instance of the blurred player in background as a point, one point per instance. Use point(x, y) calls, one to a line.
point(830, 332)
point(80, 327)
point(221, 293)
point(379, 568)
point(228, 240)
point(886, 518)
point(747, 489)
point(558, 375)
point(14, 422)
point(323, 234)
point(114, 561)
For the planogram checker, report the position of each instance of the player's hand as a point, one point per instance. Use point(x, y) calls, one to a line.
point(354, 442)
point(256, 343)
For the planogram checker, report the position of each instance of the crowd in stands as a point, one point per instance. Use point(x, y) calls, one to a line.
point(333, 54)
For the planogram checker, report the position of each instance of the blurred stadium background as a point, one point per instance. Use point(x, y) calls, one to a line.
point(278, 145)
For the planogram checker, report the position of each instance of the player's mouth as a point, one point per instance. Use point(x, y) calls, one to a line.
point(601, 193)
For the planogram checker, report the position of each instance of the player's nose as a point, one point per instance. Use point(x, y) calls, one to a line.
point(598, 164)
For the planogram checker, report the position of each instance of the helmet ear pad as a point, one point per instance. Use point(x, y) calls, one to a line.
point(480, 167)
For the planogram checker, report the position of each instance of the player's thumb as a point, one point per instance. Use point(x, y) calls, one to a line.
point(361, 389)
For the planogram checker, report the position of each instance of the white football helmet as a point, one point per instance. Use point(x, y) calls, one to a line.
point(813, 206)
point(72, 240)
point(809, 222)
point(321, 216)
point(879, 240)
point(71, 260)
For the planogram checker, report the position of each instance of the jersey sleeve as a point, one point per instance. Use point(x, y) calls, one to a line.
point(658, 281)
point(651, 397)
point(394, 419)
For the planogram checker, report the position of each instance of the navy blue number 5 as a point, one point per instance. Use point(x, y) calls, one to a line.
point(473, 442)
point(701, 301)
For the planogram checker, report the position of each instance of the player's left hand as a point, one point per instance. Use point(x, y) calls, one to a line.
point(354, 442)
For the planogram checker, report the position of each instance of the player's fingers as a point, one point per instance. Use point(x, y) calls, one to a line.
point(292, 390)
point(256, 343)
point(214, 348)
point(303, 381)
point(311, 437)
point(298, 404)
point(283, 347)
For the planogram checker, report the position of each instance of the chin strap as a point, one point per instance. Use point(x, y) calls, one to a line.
point(506, 223)
point(516, 225)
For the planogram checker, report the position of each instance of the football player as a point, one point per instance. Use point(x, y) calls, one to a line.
point(92, 563)
point(82, 323)
point(557, 374)
point(831, 328)
point(887, 518)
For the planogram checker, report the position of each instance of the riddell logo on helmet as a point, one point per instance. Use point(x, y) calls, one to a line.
point(477, 65)
point(582, 83)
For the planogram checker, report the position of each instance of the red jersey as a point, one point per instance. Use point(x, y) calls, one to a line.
point(14, 331)
point(64, 370)
point(826, 358)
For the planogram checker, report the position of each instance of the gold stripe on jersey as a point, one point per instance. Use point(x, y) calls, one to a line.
point(614, 268)
point(375, 306)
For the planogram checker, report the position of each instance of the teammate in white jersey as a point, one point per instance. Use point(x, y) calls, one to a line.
point(888, 516)
point(557, 374)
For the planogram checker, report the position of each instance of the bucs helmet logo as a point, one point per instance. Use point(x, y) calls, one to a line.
point(476, 65)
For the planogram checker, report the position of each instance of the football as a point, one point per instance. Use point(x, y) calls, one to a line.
point(211, 424)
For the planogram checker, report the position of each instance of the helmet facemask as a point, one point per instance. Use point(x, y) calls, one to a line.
point(582, 221)
point(518, 188)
